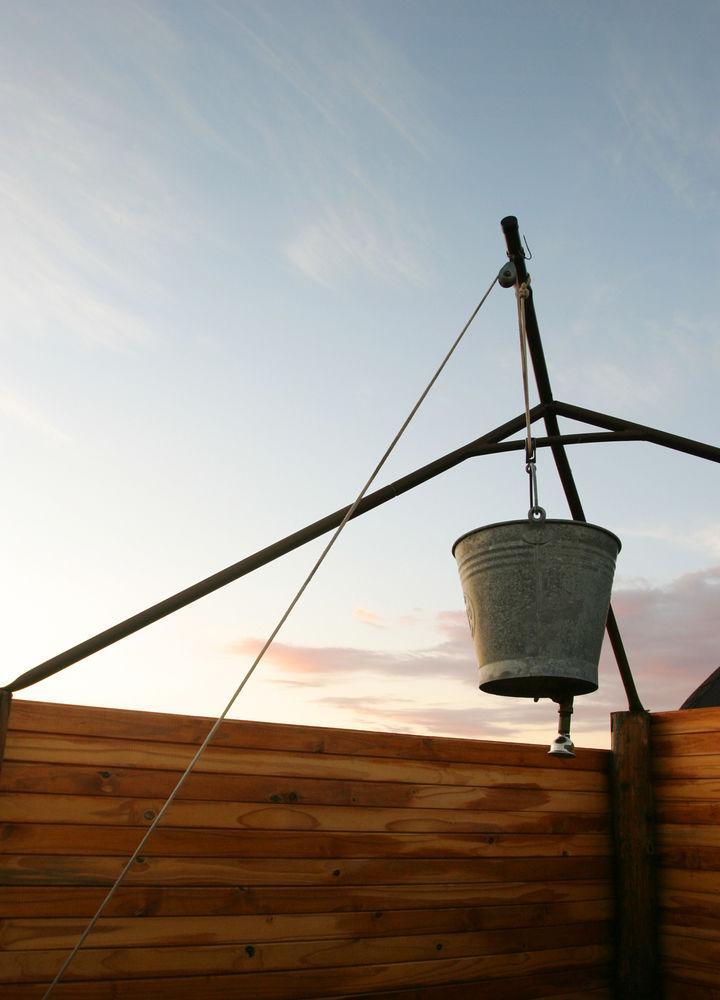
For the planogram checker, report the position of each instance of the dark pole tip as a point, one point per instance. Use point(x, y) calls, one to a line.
point(515, 252)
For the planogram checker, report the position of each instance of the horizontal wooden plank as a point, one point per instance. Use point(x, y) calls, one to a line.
point(690, 909)
point(693, 857)
point(696, 950)
point(50, 838)
point(105, 963)
point(578, 984)
point(691, 975)
point(582, 994)
point(508, 904)
point(693, 767)
point(67, 779)
point(690, 720)
point(670, 879)
point(688, 813)
point(20, 807)
point(686, 744)
point(82, 869)
point(681, 924)
point(682, 835)
point(690, 790)
point(30, 934)
point(104, 754)
point(153, 726)
point(302, 984)
point(398, 926)
point(521, 989)
point(681, 989)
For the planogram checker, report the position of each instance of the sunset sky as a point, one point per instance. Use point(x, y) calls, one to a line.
point(237, 238)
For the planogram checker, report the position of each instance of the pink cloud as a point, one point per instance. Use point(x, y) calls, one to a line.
point(488, 718)
point(368, 617)
point(453, 658)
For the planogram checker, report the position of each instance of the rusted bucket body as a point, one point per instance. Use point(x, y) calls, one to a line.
point(537, 595)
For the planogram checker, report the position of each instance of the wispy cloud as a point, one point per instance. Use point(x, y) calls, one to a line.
point(323, 105)
point(53, 280)
point(676, 135)
point(643, 380)
point(705, 538)
point(88, 207)
point(359, 66)
point(350, 238)
point(20, 410)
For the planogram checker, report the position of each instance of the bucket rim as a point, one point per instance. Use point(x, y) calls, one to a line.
point(525, 520)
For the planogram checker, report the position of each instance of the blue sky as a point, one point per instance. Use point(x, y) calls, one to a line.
point(237, 238)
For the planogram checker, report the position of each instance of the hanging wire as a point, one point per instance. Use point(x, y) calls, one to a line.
point(283, 618)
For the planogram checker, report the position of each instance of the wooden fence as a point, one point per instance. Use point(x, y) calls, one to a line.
point(686, 763)
point(306, 863)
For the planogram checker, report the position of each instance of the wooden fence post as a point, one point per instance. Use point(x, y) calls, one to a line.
point(636, 914)
point(5, 702)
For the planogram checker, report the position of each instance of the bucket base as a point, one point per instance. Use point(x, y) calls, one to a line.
point(544, 678)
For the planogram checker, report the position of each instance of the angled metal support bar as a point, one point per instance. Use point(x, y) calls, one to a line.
point(564, 440)
point(268, 554)
point(686, 445)
point(550, 442)
point(516, 254)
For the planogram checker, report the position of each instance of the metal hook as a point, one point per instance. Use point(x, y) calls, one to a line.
point(536, 512)
point(528, 255)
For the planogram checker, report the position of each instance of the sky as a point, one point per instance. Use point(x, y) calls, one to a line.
point(237, 239)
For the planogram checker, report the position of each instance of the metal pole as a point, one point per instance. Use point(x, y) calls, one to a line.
point(516, 254)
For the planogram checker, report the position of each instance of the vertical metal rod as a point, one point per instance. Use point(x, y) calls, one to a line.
point(516, 254)
point(562, 745)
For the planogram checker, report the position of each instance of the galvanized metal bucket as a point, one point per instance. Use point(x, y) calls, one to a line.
point(537, 595)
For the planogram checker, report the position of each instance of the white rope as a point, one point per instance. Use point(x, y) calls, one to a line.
point(286, 614)
point(536, 512)
point(522, 292)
